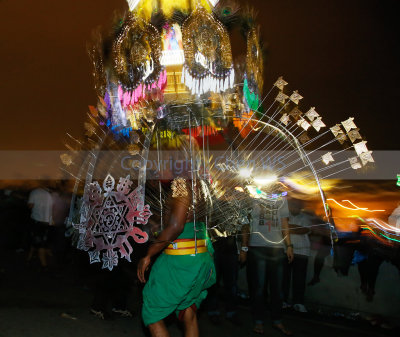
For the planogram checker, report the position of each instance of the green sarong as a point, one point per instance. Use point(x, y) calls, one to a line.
point(176, 282)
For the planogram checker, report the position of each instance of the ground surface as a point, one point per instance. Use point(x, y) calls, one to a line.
point(35, 304)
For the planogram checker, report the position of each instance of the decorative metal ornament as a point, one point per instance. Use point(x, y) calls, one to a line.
point(354, 163)
point(295, 97)
point(336, 130)
point(136, 53)
point(108, 219)
point(285, 119)
point(280, 83)
point(339, 133)
point(354, 135)
point(303, 123)
point(179, 188)
point(312, 114)
point(327, 158)
point(208, 56)
point(304, 138)
point(341, 138)
point(281, 98)
point(296, 113)
point(318, 124)
point(361, 147)
point(366, 157)
point(349, 124)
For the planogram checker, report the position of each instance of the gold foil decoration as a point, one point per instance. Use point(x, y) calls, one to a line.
point(90, 129)
point(149, 113)
point(136, 164)
point(136, 52)
point(95, 52)
point(179, 188)
point(254, 60)
point(133, 149)
point(280, 83)
point(202, 33)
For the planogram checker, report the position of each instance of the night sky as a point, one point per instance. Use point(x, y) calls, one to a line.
point(342, 55)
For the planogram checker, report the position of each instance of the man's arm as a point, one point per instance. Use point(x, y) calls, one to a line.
point(296, 229)
point(174, 228)
point(286, 237)
point(245, 243)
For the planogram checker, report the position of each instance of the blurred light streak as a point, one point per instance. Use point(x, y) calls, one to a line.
point(385, 226)
point(390, 238)
point(373, 233)
point(356, 207)
point(308, 186)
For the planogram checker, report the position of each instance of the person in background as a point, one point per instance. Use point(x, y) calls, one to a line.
point(295, 273)
point(111, 291)
point(226, 261)
point(264, 243)
point(61, 202)
point(320, 238)
point(41, 205)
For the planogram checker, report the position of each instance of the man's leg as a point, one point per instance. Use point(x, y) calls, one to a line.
point(275, 262)
point(212, 298)
point(299, 278)
point(256, 272)
point(374, 262)
point(319, 261)
point(363, 271)
point(158, 329)
point(229, 273)
point(190, 322)
point(287, 278)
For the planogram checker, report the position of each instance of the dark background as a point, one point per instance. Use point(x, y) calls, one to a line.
point(342, 55)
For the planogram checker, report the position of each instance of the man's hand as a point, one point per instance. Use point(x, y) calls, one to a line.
point(143, 266)
point(289, 253)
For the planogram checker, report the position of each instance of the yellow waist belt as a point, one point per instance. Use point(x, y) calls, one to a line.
point(186, 247)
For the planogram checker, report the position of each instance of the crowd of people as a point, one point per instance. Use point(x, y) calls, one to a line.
point(275, 247)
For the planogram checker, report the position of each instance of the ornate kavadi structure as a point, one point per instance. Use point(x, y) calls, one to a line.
point(167, 72)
